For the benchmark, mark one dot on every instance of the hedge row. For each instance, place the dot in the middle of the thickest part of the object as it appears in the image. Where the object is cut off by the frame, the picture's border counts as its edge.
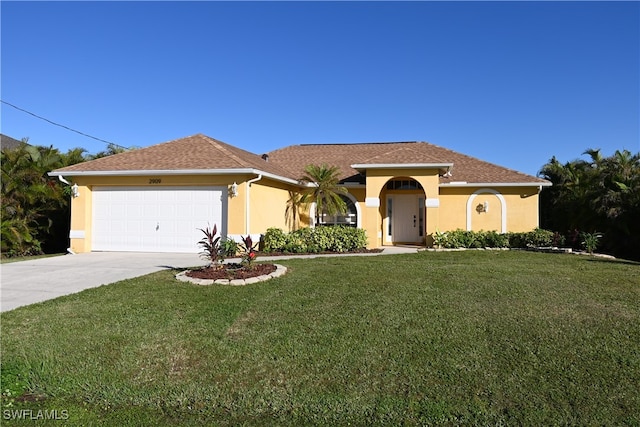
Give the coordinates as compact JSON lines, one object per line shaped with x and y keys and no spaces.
{"x":320,"y":239}
{"x":493,"y":239}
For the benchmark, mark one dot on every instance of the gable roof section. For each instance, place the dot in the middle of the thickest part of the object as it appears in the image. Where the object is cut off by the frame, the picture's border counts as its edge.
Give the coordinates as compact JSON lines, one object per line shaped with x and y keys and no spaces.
{"x":350,"y":158}
{"x":193,"y":154}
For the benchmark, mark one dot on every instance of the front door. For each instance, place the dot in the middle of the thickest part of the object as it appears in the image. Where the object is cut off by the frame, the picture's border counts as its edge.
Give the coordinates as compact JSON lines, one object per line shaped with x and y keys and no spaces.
{"x":406,"y":218}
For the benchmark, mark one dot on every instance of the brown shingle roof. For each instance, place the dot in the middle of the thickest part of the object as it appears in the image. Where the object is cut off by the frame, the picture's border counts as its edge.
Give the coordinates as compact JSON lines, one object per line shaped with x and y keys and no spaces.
{"x":200,"y":152}
{"x":197,"y":152}
{"x":465,"y":168}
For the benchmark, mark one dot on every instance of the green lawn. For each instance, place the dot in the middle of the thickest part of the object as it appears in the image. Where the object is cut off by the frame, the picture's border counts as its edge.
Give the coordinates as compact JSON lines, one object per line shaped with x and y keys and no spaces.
{"x":458,"y":338}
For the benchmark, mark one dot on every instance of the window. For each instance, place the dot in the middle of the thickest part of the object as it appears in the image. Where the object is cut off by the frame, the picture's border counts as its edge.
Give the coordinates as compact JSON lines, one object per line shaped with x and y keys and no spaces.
{"x":350,"y":218}
{"x":404,"y":184}
{"x":389,"y":216}
{"x":421,"y":212}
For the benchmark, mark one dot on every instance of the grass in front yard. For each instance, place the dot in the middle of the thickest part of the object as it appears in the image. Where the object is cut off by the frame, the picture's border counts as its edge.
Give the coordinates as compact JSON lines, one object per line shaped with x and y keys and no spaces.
{"x":459,"y":338}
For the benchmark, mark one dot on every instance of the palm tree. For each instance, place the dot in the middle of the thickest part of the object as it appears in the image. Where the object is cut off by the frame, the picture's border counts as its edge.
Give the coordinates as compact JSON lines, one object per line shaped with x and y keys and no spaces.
{"x":602,"y":194}
{"x":292,"y":211}
{"x":324,"y":190}
{"x":34,"y":207}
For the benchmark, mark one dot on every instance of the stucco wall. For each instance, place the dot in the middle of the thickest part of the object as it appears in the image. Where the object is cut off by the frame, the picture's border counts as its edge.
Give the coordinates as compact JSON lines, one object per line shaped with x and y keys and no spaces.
{"x":267,"y":205}
{"x":458,"y":208}
{"x":450,"y":208}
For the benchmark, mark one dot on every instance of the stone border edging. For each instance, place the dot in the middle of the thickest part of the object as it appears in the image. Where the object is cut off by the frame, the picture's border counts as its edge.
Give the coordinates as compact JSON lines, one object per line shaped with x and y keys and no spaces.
{"x":280,"y":270}
{"x":554,"y":250}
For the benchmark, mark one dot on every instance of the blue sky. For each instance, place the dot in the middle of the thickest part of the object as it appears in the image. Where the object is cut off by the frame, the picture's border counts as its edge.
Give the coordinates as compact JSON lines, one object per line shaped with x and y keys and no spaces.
{"x":513,"y":83}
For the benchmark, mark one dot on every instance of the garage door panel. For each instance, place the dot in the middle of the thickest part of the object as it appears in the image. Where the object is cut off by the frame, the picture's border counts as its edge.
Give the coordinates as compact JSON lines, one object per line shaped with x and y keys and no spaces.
{"x":158,"y":219}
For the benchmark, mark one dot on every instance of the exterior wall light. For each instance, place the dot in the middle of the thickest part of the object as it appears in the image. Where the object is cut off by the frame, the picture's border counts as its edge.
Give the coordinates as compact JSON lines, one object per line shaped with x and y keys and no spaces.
{"x":75,"y":192}
{"x":234,"y":189}
{"x":482,"y":207}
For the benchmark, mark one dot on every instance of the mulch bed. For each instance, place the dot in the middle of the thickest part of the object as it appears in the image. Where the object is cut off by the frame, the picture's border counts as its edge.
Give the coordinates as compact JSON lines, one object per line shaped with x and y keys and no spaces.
{"x":232,"y":271}
{"x":238,"y":271}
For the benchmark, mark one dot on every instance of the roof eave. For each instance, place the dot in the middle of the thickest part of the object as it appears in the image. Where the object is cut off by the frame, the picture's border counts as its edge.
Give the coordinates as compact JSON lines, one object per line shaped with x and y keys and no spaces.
{"x":360,"y":166}
{"x":495,"y":184}
{"x":177,"y":172}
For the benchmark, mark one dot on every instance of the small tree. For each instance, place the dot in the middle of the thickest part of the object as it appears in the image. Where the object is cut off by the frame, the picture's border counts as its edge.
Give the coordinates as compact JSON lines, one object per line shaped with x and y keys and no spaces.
{"x":210,"y":245}
{"x":248,"y":249}
{"x":324,"y":191}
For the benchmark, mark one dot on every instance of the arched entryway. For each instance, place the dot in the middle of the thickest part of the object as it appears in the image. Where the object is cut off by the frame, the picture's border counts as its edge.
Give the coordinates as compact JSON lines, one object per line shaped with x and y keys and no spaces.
{"x":405,"y":213}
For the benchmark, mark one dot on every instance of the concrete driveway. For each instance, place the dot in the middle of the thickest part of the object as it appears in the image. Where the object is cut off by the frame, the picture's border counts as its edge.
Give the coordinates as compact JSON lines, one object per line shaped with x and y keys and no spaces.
{"x":37,"y":280}
{"x":28,"y":282}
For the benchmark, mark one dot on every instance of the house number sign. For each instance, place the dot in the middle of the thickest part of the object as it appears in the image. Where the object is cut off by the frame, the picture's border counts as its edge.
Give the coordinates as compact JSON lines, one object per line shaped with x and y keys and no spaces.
{"x":155,"y":180}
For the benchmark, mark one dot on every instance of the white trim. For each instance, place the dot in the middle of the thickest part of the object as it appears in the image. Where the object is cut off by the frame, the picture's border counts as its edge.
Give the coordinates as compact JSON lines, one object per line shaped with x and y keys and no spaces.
{"x":432,"y":203}
{"x":372,"y":202}
{"x":400,"y":165}
{"x":177,"y":172}
{"x":358,"y":210}
{"x":503,"y":204}
{"x":495,"y":184}
{"x":76,"y":234}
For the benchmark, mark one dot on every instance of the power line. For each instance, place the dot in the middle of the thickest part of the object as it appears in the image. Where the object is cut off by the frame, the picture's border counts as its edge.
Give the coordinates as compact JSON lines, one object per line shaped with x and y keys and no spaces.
{"x":62,"y":126}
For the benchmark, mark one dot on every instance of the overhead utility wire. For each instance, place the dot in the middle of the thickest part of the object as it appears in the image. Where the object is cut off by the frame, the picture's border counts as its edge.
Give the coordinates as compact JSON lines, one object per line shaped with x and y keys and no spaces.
{"x":62,"y":126}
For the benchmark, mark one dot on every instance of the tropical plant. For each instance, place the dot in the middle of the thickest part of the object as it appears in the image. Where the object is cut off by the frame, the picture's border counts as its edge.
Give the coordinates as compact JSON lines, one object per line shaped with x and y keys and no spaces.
{"x":324,"y":190}
{"x":590,"y":241}
{"x":601,"y":193}
{"x":210,"y":245}
{"x":228,"y":247}
{"x":248,"y":249}
{"x":35,"y":207}
{"x":110,"y":151}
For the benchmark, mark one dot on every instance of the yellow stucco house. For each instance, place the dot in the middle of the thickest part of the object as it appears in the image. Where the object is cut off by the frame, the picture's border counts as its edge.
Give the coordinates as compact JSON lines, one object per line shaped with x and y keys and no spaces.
{"x":156,"y":199}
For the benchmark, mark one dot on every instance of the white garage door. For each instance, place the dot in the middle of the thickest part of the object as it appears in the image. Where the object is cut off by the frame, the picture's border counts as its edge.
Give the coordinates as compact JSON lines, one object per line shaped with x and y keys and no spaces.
{"x":157,"y":219}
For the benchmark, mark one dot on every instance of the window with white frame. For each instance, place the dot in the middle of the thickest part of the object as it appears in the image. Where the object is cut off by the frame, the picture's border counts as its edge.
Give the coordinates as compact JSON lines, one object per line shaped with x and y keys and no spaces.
{"x":349,"y":218}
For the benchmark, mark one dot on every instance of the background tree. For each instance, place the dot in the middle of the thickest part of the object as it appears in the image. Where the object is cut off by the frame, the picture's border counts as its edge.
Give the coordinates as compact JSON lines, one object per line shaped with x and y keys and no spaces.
{"x":601,"y":194}
{"x":35,"y":207}
{"x":110,"y":151}
{"x":325,"y":190}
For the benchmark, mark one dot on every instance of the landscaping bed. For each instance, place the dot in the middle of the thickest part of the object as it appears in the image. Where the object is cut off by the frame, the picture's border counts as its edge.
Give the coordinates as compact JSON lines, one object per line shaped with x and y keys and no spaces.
{"x":232,"y":271}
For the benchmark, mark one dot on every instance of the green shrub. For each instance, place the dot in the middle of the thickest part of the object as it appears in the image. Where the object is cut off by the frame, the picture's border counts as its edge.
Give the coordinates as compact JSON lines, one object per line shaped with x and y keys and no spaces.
{"x":590,"y":241}
{"x":517,"y":240}
{"x":274,"y":240}
{"x":492,"y":239}
{"x":539,"y":237}
{"x":320,"y":239}
{"x":229,"y":247}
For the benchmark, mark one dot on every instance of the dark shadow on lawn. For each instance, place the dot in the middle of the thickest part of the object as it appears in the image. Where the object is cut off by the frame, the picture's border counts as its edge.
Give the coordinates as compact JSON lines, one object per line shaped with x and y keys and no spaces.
{"x":613,"y":260}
